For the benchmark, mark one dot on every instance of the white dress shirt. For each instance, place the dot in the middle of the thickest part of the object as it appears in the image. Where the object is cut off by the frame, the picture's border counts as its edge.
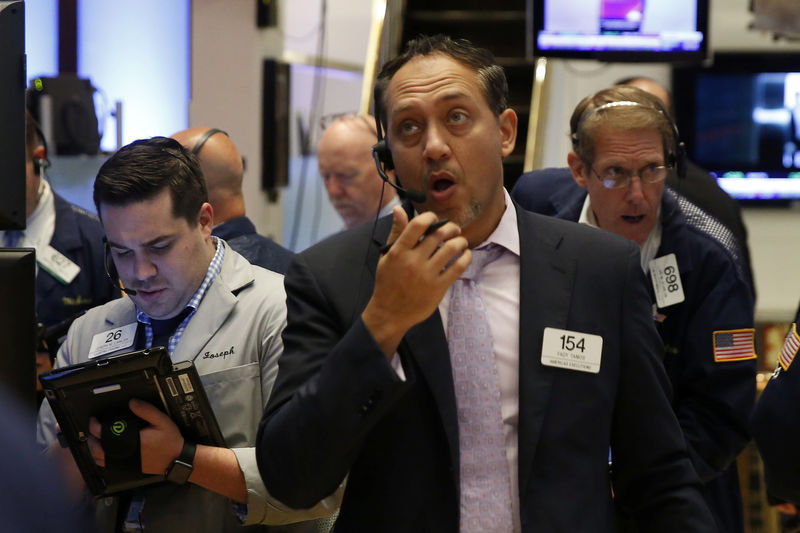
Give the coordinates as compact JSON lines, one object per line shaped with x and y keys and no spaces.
{"x":41,"y":224}
{"x":649,"y":248}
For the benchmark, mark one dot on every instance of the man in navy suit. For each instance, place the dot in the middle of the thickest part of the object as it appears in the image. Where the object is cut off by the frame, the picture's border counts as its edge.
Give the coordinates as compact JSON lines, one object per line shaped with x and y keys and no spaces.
{"x":366,"y":385}
{"x":624,"y":145}
{"x":68,"y":242}
{"x":223,"y":170}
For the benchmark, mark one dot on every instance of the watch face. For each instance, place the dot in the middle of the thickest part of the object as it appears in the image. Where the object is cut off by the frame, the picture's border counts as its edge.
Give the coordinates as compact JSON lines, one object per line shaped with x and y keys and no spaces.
{"x":179,"y":471}
{"x":181,"y":468}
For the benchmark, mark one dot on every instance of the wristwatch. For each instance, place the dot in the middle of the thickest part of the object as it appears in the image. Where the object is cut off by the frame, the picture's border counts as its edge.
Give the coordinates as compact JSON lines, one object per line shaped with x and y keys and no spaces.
{"x":181,"y":468}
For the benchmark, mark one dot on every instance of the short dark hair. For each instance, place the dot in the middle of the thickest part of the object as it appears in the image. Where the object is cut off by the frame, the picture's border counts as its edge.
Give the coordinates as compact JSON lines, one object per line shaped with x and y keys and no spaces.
{"x":142,"y":169}
{"x":644,"y":112}
{"x":490,"y":75}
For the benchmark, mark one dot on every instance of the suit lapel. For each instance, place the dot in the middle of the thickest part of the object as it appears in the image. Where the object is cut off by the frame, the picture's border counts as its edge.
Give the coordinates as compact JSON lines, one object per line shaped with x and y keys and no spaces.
{"x":546,"y":280}
{"x":427,"y":345}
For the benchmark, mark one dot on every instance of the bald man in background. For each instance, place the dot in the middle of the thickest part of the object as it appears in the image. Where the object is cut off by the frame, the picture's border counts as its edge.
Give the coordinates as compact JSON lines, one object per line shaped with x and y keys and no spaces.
{"x":344,"y":155}
{"x":223,"y":169}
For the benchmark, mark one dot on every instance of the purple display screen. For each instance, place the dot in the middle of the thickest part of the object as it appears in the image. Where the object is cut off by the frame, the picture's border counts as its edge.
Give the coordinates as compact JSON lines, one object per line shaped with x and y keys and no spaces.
{"x":639,"y":30}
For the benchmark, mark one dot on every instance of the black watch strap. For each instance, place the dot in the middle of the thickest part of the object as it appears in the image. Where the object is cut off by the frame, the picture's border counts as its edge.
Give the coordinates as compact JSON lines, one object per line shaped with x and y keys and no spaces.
{"x":181,"y":468}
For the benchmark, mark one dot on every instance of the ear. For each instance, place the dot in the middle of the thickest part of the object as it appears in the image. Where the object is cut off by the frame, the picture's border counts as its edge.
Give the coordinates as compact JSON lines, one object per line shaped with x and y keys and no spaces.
{"x":39,"y":153}
{"x":508,"y":131}
{"x":580,"y":172}
{"x":206,"y":219}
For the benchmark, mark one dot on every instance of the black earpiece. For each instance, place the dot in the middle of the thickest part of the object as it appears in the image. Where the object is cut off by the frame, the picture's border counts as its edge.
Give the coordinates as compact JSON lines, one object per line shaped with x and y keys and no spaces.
{"x":681,"y":159}
{"x":383,"y":156}
{"x":39,"y":165}
{"x":111,"y":269}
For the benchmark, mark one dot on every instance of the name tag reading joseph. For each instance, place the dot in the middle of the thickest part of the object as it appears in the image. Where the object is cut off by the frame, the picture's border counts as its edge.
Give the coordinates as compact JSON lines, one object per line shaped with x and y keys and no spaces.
{"x":572,"y":350}
{"x":666,"y":280}
{"x":112,"y":340}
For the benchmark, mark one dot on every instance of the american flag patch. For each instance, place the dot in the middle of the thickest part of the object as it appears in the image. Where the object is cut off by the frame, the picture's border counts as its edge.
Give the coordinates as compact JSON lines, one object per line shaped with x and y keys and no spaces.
{"x":734,"y":345}
{"x":789,"y":349}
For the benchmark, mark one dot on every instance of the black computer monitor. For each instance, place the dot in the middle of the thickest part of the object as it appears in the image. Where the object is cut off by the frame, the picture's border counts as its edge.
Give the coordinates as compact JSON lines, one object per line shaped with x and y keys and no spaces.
{"x":740,"y":119}
{"x":12,"y":114}
{"x":621,"y":30}
{"x":18,"y":323}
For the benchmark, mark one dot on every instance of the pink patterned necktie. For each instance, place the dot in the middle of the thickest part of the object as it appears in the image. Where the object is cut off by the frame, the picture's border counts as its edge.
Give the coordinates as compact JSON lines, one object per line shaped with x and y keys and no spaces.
{"x":485,"y":481}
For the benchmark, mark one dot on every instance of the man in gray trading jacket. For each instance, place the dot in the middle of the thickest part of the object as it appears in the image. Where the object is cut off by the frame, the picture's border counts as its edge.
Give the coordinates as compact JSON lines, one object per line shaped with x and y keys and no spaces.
{"x":190,"y":292}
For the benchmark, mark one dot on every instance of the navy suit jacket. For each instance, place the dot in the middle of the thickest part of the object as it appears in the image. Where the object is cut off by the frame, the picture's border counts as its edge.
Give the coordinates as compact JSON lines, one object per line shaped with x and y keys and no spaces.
{"x":240,"y":234}
{"x":712,"y":399}
{"x":338,"y":408}
{"x":79,"y":236}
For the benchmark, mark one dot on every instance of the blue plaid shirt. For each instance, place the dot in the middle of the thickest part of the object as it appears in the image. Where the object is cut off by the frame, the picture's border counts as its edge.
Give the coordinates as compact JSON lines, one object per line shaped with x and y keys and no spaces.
{"x":213,"y":270}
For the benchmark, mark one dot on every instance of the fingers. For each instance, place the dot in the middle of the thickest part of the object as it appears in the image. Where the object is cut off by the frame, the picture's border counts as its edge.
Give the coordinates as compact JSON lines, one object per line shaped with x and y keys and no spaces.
{"x":399,"y":223}
{"x":95,"y":429}
{"x":433,"y":243}
{"x":147,"y":412}
{"x":424,"y":233}
{"x":406,"y":234}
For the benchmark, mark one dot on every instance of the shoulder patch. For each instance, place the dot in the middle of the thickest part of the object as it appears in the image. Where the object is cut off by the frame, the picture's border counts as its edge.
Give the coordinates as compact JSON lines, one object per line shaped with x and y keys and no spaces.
{"x":734,"y":345}
{"x":790,"y":346}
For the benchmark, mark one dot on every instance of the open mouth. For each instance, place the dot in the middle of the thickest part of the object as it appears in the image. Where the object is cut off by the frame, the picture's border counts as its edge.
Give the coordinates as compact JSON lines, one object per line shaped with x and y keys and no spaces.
{"x":442,"y":184}
{"x":632,"y":219}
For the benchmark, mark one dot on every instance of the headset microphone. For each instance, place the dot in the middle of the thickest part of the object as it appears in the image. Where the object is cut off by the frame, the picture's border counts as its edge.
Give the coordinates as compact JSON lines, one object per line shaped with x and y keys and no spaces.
{"x":111,"y":271}
{"x":411,"y":194}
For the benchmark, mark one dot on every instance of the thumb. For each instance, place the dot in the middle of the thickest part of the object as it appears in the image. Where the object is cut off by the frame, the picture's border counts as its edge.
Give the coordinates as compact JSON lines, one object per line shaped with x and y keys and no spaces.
{"x":398,"y":224}
{"x":147,"y":411}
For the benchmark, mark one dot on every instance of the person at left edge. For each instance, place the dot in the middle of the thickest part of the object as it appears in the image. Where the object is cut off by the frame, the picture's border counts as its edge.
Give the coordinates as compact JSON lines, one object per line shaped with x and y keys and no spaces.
{"x":68,"y":240}
{"x":191,"y":292}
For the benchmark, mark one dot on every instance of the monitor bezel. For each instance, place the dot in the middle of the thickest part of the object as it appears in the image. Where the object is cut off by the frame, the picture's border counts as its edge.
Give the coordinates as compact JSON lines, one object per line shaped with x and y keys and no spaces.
{"x":684,"y":79}
{"x":628,"y":56}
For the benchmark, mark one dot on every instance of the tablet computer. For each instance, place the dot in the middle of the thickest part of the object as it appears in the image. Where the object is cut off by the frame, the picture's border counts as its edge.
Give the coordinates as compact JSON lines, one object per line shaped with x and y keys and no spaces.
{"x":102,"y":387}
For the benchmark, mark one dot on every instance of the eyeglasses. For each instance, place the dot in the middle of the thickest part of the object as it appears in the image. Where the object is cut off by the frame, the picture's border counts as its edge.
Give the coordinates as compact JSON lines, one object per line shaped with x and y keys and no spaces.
{"x":619,"y":178}
{"x":327,"y":120}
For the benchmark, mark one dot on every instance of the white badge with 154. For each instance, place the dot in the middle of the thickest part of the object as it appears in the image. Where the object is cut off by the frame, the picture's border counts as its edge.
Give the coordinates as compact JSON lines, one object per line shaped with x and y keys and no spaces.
{"x":572,"y":350}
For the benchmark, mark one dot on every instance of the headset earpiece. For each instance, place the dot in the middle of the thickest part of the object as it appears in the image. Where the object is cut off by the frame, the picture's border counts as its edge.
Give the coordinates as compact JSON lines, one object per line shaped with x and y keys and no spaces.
{"x":681,"y":163}
{"x":39,"y":165}
{"x":111,"y":270}
{"x":108,"y":262}
{"x":381,"y":148}
{"x":384,"y":154}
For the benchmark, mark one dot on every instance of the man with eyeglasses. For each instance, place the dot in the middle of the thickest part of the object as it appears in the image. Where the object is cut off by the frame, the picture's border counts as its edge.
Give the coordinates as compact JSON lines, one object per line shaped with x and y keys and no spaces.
{"x":624,"y":145}
{"x":344,"y":154}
